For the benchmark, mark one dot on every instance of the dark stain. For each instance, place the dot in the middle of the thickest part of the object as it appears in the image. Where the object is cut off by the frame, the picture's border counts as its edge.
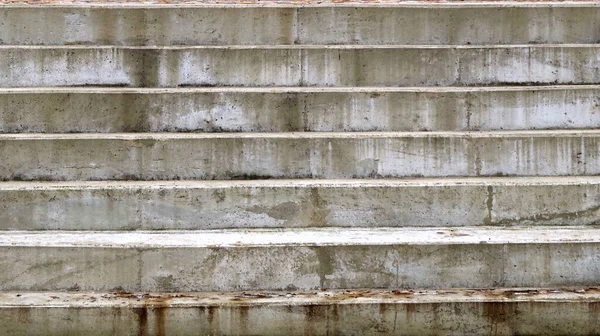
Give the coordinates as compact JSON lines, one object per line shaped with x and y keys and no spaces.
{"x":594,"y":309}
{"x":213,"y":320}
{"x":159,"y":317}
{"x":498,"y":313}
{"x":319,"y":211}
{"x":411,"y":308}
{"x":23,"y":315}
{"x":283,"y":211}
{"x":313,"y":315}
{"x":243,"y":312}
{"x":325,"y":264}
{"x":142,"y":314}
{"x":218,"y":196}
{"x":547,"y":217}
{"x":490,"y":205}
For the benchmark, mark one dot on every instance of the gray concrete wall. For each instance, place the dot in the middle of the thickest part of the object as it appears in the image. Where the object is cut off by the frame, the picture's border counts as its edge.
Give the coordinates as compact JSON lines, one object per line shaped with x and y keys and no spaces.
{"x":510,"y":312}
{"x":297,"y":155}
{"x":70,"y":110}
{"x":255,"y":204}
{"x":335,"y":25}
{"x":300,"y":260}
{"x":299,"y":66}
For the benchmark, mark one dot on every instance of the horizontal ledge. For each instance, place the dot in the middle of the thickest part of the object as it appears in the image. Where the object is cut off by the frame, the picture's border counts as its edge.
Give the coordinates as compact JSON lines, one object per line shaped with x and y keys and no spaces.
{"x":292,"y":89}
{"x":297,"y":47}
{"x":303,"y":183}
{"x":328,"y":297}
{"x":322,"y":4}
{"x":299,"y":135}
{"x":307,"y":237}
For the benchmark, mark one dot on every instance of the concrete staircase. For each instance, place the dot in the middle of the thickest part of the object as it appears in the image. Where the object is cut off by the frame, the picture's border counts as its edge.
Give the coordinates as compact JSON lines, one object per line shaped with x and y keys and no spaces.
{"x":357,"y":169}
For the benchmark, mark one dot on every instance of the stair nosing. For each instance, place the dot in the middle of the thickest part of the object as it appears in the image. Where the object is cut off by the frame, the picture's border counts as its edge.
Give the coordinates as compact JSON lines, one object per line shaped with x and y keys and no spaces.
{"x":292,"y":89}
{"x":303,"y":237}
{"x":323,"y":297}
{"x":300,"y":47}
{"x":410,"y":4}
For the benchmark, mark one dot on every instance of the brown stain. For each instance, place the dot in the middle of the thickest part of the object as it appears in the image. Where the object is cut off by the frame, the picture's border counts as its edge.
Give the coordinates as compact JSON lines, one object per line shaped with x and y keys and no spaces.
{"x":498,"y":313}
{"x":594,"y":309}
{"x":23,"y":315}
{"x":142,"y":314}
{"x":314,"y":315}
{"x":159,"y":320}
{"x":212,"y":315}
{"x":410,"y":311}
{"x":243,"y":321}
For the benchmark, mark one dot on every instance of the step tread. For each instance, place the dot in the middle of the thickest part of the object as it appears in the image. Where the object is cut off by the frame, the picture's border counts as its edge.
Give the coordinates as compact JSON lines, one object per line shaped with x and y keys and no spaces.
{"x":302,"y":135}
{"x":244,"y":238}
{"x":293,"y":89}
{"x":297,"y":4}
{"x":300,"y":183}
{"x":326,"y":297}
{"x":302,"y":47}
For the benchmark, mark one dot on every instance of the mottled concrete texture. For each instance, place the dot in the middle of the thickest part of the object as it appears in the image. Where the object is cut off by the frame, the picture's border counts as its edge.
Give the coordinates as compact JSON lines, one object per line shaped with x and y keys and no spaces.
{"x":458,"y":312}
{"x":299,"y":65}
{"x":335,"y":25}
{"x":256,"y":204}
{"x":68,"y":110}
{"x":297,"y":155}
{"x":487,"y":257}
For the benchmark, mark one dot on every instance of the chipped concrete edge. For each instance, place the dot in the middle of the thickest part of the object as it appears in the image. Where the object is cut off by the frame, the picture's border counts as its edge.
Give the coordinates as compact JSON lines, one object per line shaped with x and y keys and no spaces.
{"x":259,"y":298}
{"x":328,"y":4}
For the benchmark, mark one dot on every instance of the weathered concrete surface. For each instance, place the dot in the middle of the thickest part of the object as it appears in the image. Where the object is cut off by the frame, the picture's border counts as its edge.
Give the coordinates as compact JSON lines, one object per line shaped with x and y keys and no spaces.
{"x":297,"y":203}
{"x":460,"y":312}
{"x":328,"y":25}
{"x":174,"y":156}
{"x":285,"y":109}
{"x":299,"y":65}
{"x":230,"y":260}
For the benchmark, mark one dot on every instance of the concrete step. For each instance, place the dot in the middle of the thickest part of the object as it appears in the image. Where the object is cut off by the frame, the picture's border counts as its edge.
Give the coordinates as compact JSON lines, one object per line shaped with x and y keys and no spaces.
{"x":497,"y":201}
{"x":229,"y":24}
{"x":522,"y":311}
{"x":300,"y":259}
{"x":222,"y":156}
{"x":344,"y":65}
{"x":285,"y":109}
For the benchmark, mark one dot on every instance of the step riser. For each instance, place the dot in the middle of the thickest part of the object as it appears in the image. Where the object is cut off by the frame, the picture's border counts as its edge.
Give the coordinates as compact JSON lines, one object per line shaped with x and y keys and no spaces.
{"x":296,"y":157}
{"x":212,"y":26}
{"x":473,"y":318}
{"x":298,"y":67}
{"x":279,"y":206}
{"x":298,"y":267}
{"x":67,"y":112}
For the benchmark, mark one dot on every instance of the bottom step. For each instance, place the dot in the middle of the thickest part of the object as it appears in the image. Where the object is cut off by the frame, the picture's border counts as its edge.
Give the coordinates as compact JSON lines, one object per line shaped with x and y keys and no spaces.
{"x":472,"y":312}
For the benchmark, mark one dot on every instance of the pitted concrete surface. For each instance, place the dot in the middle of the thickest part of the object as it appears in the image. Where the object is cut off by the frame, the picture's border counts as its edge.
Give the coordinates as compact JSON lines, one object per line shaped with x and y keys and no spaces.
{"x":231,"y":156}
{"x":293,"y":65}
{"x":246,"y":24}
{"x":311,"y":3}
{"x":296,"y":109}
{"x":303,"y":259}
{"x":399,"y":312}
{"x":299,"y":203}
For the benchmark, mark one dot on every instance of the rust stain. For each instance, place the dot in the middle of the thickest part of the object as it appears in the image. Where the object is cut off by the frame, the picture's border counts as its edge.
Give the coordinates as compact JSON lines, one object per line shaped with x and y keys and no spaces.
{"x":594,"y":309}
{"x":410,"y":311}
{"x":142,"y":314}
{"x":243,"y":311}
{"x":159,"y":316}
{"x":498,"y":313}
